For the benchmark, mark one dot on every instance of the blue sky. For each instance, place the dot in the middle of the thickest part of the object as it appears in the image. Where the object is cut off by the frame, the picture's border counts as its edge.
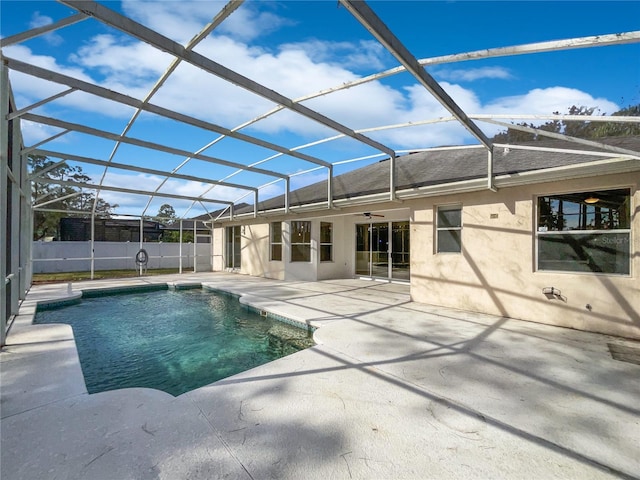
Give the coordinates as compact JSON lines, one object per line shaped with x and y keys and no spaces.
{"x":301,"y":47}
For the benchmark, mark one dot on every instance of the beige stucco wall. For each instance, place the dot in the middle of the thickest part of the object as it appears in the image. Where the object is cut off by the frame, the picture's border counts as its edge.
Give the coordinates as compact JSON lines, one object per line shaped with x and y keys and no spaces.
{"x":255,"y":245}
{"x":496,"y":271}
{"x":255,"y":253}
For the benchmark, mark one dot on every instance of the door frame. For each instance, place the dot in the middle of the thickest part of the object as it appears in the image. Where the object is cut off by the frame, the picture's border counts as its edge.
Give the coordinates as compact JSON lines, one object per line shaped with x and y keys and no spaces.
{"x":370,"y":224}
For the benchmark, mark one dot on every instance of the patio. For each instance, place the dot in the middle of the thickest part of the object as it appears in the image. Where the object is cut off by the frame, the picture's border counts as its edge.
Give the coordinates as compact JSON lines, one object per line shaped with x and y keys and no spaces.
{"x":394,"y":389}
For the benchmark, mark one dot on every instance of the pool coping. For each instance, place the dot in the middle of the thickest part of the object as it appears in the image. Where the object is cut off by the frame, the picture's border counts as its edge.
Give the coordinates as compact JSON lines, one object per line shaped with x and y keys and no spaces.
{"x":254,"y":303}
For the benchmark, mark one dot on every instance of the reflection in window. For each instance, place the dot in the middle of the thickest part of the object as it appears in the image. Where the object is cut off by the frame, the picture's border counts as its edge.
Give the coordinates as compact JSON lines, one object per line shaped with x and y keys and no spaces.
{"x":275,"y":240}
{"x":449,"y":229}
{"x":585,"y":232}
{"x":300,"y":241}
{"x":326,"y":242}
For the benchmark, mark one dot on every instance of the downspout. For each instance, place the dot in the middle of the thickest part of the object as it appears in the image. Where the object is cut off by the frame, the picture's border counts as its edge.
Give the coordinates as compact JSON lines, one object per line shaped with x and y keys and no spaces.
{"x":92,"y":243}
{"x":141,"y":239}
{"x":330,"y":187}
{"x":287,"y":194}
{"x":195,"y":247}
{"x":180,"y":249}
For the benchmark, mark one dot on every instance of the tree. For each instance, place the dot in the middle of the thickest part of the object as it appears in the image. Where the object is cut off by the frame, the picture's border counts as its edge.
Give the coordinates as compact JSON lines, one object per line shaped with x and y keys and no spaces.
{"x":62,"y":197}
{"x":573,"y":128}
{"x":167,"y":214}
{"x":615,"y":129}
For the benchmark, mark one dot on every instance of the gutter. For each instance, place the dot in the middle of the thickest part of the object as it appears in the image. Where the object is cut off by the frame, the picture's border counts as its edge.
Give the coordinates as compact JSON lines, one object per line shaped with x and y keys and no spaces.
{"x":610,"y":166}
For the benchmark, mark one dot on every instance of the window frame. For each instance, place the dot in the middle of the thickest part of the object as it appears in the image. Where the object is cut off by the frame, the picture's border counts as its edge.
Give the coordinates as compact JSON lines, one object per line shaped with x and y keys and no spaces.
{"x":328,"y":244}
{"x":231,"y":256}
{"x":295,"y":245}
{"x":541,"y":232}
{"x":449,"y":207}
{"x":273,"y":243}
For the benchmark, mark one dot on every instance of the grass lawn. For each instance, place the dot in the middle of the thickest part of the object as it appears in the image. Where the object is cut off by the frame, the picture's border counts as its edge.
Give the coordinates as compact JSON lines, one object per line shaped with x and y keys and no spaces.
{"x":97,"y":275}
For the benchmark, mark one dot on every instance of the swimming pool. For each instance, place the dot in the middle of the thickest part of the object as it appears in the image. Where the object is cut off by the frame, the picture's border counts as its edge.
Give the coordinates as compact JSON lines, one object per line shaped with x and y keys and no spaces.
{"x":170,"y":340}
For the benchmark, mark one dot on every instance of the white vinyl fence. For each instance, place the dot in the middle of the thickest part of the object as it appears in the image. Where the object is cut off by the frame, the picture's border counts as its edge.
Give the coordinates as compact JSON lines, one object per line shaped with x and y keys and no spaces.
{"x":51,"y":257}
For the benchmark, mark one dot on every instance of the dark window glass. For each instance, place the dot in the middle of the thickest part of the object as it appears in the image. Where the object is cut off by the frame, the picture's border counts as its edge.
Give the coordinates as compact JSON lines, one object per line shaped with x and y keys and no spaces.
{"x":326,"y":242}
{"x":300,"y":253}
{"x":276,"y":241}
{"x":585,"y":232}
{"x":300,"y":241}
{"x":449,"y":241}
{"x":449,"y":229}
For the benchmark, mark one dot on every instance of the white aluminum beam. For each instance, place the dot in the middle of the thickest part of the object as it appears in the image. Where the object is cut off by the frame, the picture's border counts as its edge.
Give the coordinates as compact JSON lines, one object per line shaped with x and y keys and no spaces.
{"x":39,"y":173}
{"x":361,"y":11}
{"x":568,"y":118}
{"x":5,"y":213}
{"x":35,"y":32}
{"x":57,"y":199}
{"x":151,"y":171}
{"x":131,"y":191}
{"x":40,"y":103}
{"x":153,"y":38}
{"x":227,"y":10}
{"x":145,"y":144}
{"x":75,"y":83}
{"x":28,"y":150}
{"x":559,"y":136}
{"x":583,"y":42}
{"x":490,"y":174}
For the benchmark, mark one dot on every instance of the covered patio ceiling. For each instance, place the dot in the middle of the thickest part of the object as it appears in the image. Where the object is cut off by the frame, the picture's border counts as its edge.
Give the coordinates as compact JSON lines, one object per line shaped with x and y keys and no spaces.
{"x":252,"y":177}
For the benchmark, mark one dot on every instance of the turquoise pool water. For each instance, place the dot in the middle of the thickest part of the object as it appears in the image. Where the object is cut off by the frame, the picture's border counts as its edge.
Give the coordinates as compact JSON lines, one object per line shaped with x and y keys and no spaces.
{"x":171,"y":340}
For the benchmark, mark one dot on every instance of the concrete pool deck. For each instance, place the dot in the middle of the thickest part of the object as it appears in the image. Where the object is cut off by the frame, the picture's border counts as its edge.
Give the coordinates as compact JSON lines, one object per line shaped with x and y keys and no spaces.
{"x":393,"y":390}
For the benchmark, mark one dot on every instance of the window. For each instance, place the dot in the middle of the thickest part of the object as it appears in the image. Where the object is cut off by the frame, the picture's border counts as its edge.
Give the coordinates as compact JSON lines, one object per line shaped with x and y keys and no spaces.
{"x":449,"y":229}
{"x":275,"y":238}
{"x":233,"y":247}
{"x":326,"y":242}
{"x":585,"y":232}
{"x":300,"y":241}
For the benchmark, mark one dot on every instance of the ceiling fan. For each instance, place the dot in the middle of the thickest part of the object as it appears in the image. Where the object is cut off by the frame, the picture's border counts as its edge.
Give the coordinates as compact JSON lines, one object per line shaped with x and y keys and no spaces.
{"x":369,"y":215}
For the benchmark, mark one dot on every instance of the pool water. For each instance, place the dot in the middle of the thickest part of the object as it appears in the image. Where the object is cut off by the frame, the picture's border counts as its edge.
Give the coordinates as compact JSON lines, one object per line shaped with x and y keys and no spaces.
{"x":171,"y":340}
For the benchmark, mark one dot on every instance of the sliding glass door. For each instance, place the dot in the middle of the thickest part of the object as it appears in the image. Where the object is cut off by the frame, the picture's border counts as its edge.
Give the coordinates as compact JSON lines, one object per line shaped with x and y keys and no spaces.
{"x":382,"y":250}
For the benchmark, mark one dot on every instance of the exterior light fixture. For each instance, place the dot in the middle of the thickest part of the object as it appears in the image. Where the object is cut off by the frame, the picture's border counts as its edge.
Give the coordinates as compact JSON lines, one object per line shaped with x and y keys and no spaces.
{"x":591,"y":199}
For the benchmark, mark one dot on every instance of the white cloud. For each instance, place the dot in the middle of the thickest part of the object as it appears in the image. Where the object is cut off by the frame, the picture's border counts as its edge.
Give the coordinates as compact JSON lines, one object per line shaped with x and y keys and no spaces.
{"x":148,"y":183}
{"x":549,"y":100}
{"x":36,"y":132}
{"x":179,"y":21}
{"x":38,"y":20}
{"x":473,"y":74}
{"x":247,"y":23}
{"x":29,"y":89}
{"x":293,"y":69}
{"x":366,"y":54}
{"x":123,"y":62}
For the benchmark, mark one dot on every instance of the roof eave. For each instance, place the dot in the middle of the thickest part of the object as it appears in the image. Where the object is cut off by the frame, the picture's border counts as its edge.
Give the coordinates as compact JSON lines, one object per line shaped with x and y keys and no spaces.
{"x":609,"y":166}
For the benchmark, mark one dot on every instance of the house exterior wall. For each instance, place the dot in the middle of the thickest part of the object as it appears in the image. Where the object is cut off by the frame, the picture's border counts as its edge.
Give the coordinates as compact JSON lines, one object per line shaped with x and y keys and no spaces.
{"x":496,"y":271}
{"x":341,"y":266}
{"x":255,"y":245}
{"x":255,"y":253}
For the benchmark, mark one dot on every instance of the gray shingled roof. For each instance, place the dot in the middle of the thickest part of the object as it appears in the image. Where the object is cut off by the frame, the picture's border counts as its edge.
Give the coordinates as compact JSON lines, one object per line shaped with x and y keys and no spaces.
{"x":444,"y":166}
